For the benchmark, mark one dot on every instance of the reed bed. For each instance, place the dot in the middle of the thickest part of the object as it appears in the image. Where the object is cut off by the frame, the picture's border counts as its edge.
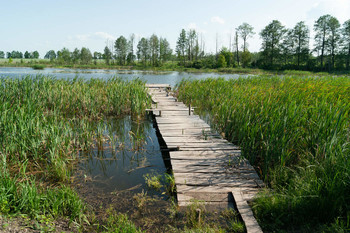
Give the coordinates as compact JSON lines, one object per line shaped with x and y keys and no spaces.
{"x":44,"y":122}
{"x":295,"y":131}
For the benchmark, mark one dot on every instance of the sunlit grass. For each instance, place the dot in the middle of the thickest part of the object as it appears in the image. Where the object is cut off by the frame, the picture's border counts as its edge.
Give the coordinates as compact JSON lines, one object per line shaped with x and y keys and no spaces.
{"x":44,"y":123}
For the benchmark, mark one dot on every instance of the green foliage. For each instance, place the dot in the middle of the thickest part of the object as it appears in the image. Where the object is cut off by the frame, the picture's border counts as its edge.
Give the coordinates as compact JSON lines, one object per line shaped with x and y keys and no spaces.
{"x":38,"y":67}
{"x":26,"y":198}
{"x":46,"y":120}
{"x":295,"y":131}
{"x":153,"y":181}
{"x":221,"y":61}
{"x":118,"y":223}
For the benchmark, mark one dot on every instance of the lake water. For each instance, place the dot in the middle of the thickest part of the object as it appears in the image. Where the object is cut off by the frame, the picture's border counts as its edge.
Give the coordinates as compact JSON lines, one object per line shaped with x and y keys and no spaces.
{"x":171,"y":77}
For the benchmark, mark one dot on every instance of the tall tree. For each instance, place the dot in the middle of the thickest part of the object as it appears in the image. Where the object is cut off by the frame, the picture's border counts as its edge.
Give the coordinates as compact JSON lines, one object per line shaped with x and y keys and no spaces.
{"x":64,"y":55}
{"x":36,"y":54}
{"x":107,"y":55}
{"x":334,"y":37}
{"x":346,"y":41}
{"x":85,"y":56}
{"x":237,"y":50}
{"x":2,"y":54}
{"x":191,"y":40}
{"x":245,"y":31}
{"x":287,"y":47}
{"x":321,"y":33}
{"x":131,"y":55}
{"x":76,"y":55}
{"x":143,"y":50}
{"x":154,"y":49}
{"x":164,"y":50}
{"x":121,"y":47}
{"x":272,"y":35}
{"x":300,"y":35}
{"x":50,"y":55}
{"x":27,"y":55}
{"x":181,"y":46}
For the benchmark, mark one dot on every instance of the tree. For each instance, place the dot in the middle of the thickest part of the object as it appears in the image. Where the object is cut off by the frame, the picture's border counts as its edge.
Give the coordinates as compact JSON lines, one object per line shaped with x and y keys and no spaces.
{"x":154,"y":49}
{"x":35,"y":55}
{"x":107,"y":55}
{"x":2,"y":54}
{"x":191,"y":39}
{"x":27,"y":55}
{"x":164,"y":50}
{"x":131,"y":56}
{"x":346,"y":41}
{"x":85,"y":56}
{"x":121,"y":47}
{"x":245,"y":31}
{"x":287,"y":47}
{"x":334,"y":37}
{"x":221,"y":61}
{"x":50,"y":55}
{"x":271,"y":36}
{"x":321,"y":32}
{"x":228,"y":56}
{"x":143,"y":50}
{"x":300,"y":35}
{"x":181,"y":46}
{"x":237,"y":50}
{"x":246,"y":58}
{"x":97,"y":55}
{"x":75,"y":56}
{"x":64,"y":55}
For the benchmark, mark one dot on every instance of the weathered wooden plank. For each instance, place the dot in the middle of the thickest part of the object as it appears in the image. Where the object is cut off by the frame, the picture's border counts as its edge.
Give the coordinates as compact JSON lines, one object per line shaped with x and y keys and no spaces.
{"x":205,"y":196}
{"x":215,"y":178}
{"x":205,"y":153}
{"x":192,"y":139}
{"x":157,"y":85}
{"x":247,"y":215}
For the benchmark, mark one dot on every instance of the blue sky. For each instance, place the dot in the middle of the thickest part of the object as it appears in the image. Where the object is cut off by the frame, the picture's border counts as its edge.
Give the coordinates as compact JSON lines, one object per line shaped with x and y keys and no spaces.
{"x":54,"y":24}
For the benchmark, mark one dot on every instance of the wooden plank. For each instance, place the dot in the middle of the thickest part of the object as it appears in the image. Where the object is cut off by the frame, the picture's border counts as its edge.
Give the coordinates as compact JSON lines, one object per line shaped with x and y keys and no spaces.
{"x":205,"y":196}
{"x":205,"y":153}
{"x":215,"y":178}
{"x":192,"y":140}
{"x":210,"y":169}
{"x":247,"y":215}
{"x":156,"y":85}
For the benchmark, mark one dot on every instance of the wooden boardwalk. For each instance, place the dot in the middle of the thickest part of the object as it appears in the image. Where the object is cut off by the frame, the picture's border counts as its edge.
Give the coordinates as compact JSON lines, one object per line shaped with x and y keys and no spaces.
{"x":205,"y":166}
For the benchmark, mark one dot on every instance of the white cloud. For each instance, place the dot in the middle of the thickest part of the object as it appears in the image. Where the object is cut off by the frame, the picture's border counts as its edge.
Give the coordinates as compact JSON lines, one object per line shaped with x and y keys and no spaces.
{"x":217,"y":19}
{"x":195,"y":27}
{"x":104,"y":35}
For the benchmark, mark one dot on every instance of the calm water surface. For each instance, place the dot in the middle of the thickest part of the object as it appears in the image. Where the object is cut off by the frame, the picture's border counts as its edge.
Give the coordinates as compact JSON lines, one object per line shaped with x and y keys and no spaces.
{"x":171,"y":77}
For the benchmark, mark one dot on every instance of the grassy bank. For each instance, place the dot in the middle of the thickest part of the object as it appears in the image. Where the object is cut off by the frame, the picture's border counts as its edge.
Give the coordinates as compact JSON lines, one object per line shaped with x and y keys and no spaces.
{"x":44,"y":122}
{"x":295,"y":130}
{"x":168,"y":66}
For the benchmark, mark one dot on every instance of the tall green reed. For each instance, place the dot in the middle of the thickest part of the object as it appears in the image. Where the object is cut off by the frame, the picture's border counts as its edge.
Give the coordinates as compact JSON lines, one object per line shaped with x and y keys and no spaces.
{"x":295,"y":130}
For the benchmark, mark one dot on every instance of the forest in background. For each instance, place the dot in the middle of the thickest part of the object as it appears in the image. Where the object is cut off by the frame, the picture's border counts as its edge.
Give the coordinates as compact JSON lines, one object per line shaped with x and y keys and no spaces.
{"x":281,"y":49}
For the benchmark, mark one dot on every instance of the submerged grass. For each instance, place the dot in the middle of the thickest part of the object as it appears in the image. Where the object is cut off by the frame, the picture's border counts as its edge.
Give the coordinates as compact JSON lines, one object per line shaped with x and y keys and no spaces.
{"x":296,"y":132}
{"x":44,"y":122}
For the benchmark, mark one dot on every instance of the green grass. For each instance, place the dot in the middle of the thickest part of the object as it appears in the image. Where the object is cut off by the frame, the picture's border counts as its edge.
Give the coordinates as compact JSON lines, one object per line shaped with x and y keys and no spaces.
{"x":44,"y":123}
{"x":295,"y":131}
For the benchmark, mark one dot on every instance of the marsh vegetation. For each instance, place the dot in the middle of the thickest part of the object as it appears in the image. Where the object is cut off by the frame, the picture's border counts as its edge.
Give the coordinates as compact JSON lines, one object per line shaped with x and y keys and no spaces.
{"x":295,"y":131}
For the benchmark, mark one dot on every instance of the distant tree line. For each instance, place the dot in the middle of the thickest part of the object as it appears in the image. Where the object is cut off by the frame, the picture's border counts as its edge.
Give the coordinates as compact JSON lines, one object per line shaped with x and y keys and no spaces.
{"x":20,"y":55}
{"x":281,"y":48}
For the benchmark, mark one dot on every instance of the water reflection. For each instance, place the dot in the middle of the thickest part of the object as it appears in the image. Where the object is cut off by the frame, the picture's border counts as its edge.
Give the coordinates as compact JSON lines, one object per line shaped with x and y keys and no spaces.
{"x":125,"y":150}
{"x":167,"y":77}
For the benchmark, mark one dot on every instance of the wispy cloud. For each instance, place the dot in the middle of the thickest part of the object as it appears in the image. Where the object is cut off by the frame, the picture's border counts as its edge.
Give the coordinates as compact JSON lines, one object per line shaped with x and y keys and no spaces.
{"x":217,"y":19}
{"x":195,"y":27}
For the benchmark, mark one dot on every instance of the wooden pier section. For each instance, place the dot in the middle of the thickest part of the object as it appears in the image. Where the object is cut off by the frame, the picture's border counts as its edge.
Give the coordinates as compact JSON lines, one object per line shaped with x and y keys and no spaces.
{"x":205,"y":166}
